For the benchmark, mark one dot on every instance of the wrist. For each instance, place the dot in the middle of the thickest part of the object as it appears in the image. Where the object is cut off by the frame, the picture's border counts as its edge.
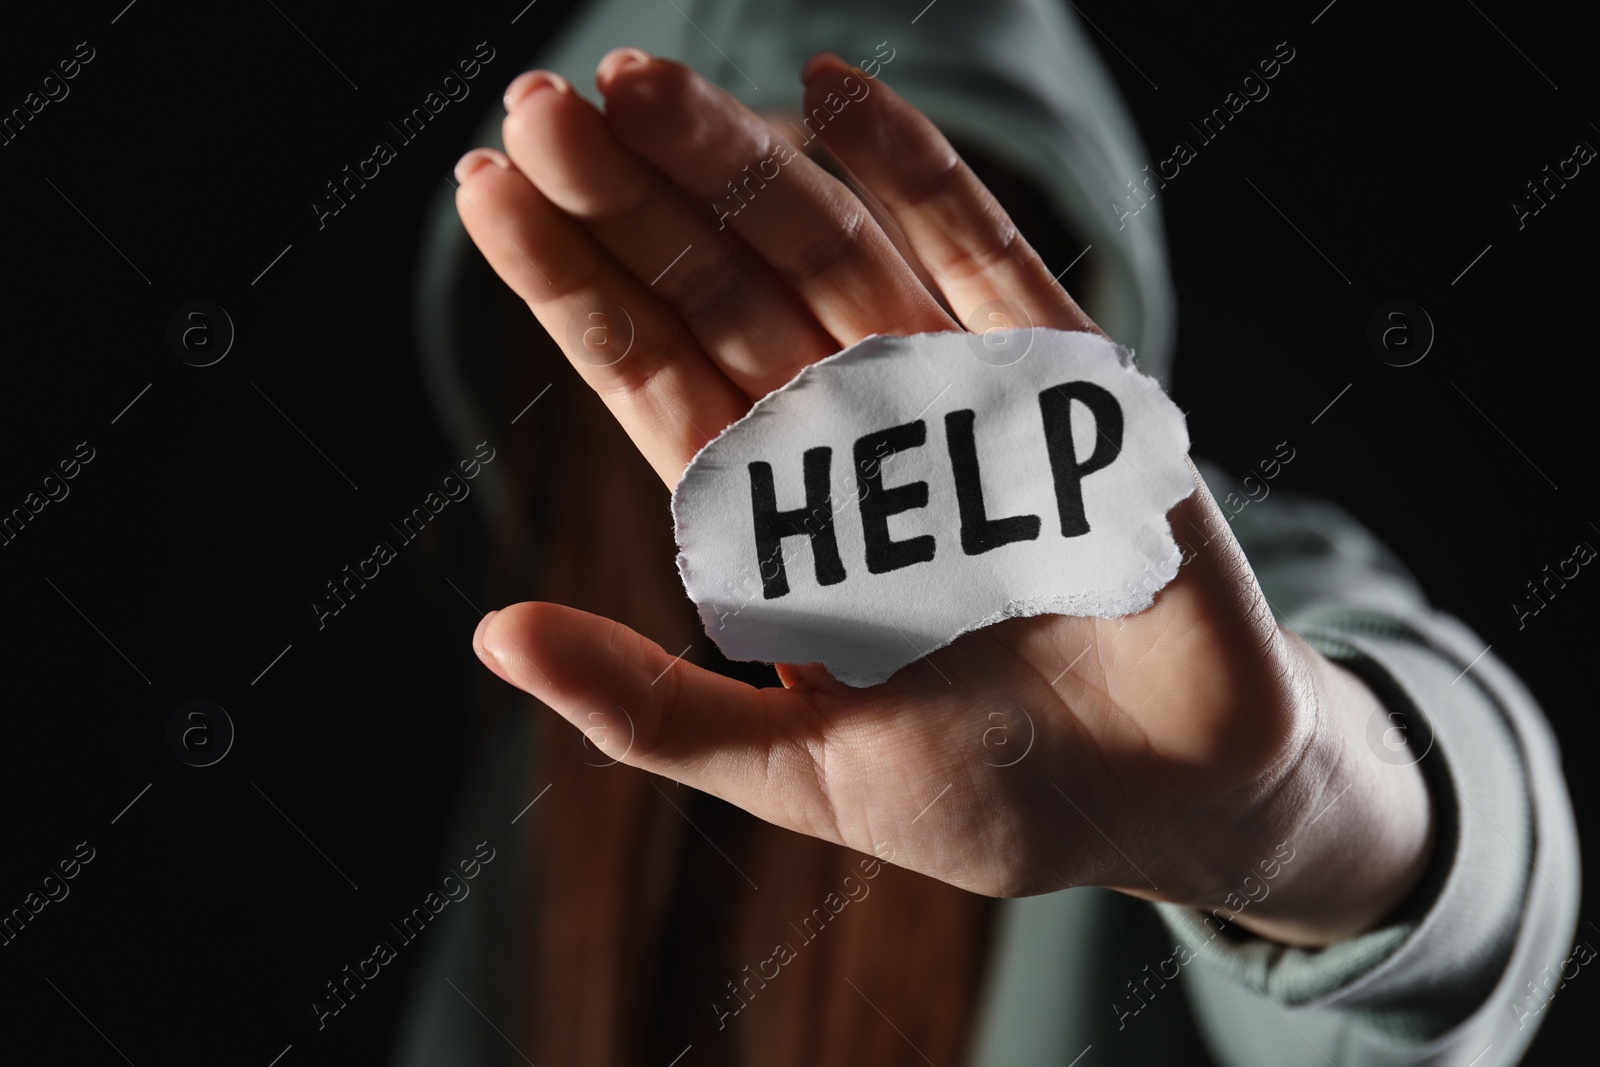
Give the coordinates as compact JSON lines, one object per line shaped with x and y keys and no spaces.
{"x":1358,"y":829}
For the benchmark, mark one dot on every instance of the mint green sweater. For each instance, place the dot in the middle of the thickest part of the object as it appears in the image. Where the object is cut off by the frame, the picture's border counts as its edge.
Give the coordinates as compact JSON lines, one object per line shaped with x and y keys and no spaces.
{"x":1089,"y":976}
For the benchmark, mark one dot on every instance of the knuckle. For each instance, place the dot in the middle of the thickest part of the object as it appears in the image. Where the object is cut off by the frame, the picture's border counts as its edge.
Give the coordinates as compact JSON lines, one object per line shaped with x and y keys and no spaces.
{"x":707,"y":284}
{"x":834,"y":246}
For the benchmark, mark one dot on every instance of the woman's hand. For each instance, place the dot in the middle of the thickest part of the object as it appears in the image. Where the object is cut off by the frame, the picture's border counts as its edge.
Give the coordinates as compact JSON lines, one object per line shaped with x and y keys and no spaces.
{"x":1166,"y":754}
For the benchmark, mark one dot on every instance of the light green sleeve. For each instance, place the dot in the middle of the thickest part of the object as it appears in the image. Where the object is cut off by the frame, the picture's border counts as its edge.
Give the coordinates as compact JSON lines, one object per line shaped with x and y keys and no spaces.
{"x":1447,"y":981}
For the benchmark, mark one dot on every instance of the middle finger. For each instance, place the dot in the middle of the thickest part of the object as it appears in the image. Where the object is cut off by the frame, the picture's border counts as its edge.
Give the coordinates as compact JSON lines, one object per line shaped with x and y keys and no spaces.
{"x":809,"y":226}
{"x":745,"y":317}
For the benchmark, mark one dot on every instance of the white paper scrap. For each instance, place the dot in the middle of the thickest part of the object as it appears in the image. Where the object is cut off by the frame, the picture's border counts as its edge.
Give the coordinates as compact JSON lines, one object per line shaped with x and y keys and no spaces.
{"x":907,"y":490}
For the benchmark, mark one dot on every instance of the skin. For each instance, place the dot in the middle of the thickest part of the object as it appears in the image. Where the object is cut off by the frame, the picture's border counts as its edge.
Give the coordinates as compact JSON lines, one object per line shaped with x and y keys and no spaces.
{"x":1172,"y":752}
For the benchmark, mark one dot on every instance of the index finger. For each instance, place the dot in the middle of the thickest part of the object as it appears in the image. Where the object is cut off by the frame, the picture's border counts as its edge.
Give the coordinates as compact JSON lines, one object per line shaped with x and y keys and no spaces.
{"x":956,"y":226}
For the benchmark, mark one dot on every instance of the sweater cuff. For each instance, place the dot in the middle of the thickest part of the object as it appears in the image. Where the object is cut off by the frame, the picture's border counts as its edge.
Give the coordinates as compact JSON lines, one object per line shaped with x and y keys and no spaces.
{"x":1432,"y":964}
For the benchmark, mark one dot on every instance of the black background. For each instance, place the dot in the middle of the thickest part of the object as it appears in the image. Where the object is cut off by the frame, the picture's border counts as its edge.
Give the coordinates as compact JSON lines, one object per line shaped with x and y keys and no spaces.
{"x":1395,"y":141}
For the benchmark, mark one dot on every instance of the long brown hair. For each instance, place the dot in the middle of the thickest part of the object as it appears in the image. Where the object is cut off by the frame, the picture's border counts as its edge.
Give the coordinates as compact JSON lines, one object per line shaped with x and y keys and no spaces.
{"x":656,"y":910}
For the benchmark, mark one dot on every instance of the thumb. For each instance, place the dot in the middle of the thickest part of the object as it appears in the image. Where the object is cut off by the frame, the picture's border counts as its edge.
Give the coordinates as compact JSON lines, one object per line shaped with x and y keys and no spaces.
{"x":635,"y":702}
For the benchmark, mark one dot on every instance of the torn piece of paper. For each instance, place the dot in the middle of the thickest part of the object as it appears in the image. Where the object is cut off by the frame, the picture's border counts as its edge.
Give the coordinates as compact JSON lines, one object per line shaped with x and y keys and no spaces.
{"x":909,"y":489}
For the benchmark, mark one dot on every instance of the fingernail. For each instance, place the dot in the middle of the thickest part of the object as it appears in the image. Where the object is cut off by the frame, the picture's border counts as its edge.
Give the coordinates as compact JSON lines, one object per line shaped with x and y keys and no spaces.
{"x":483,"y":649}
{"x":476,"y":160}
{"x":529,"y":82}
{"x":616,"y":61}
{"x":817,"y":62}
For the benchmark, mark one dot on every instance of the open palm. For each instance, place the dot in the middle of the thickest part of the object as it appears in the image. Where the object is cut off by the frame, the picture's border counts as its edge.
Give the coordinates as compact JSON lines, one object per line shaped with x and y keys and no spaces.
{"x":1029,"y":756}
